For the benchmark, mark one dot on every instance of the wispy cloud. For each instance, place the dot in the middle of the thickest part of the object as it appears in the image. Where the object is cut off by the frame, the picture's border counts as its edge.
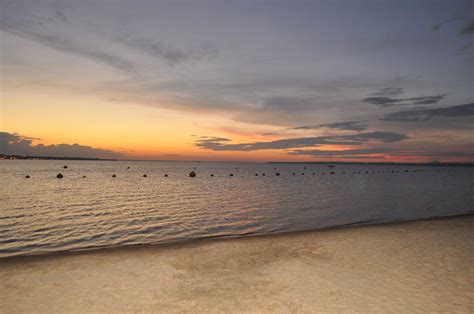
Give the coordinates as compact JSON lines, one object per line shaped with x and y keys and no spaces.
{"x":467,"y":27}
{"x":346,"y":126}
{"x":458,"y":111}
{"x":289,"y":103}
{"x":53,"y":30}
{"x":47,"y":31}
{"x":390,"y":102}
{"x":168,"y":53}
{"x":388,"y":91}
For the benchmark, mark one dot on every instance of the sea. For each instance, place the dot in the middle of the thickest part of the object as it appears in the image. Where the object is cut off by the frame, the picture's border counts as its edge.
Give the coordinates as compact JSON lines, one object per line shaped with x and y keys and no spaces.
{"x":105,"y":204}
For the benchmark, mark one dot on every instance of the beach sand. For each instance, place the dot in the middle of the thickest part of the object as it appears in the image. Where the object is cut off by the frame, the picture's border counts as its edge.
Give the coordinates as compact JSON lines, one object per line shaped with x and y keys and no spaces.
{"x":421,"y":266}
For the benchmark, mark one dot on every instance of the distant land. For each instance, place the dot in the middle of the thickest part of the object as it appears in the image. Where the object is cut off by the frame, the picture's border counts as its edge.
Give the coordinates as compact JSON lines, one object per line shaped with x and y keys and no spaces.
{"x":2,"y":156}
{"x":434,"y":163}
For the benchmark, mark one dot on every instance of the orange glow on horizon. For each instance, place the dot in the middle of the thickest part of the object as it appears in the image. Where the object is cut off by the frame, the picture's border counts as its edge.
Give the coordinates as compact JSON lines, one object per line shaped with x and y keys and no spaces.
{"x":141,"y":132}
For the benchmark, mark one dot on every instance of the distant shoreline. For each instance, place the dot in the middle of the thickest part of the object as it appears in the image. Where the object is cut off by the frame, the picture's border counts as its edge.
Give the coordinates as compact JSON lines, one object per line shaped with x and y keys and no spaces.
{"x":434,"y":164}
{"x":19,"y":157}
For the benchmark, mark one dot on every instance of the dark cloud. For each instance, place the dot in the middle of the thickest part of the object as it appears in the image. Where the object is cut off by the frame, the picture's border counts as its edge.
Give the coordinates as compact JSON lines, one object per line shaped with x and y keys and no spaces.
{"x":346,"y":126}
{"x":426,"y":114}
{"x":15,"y":144}
{"x":388,"y":91}
{"x":220,"y":144}
{"x":467,"y":29}
{"x":213,"y":143}
{"x":390,"y":102}
{"x":345,"y":153}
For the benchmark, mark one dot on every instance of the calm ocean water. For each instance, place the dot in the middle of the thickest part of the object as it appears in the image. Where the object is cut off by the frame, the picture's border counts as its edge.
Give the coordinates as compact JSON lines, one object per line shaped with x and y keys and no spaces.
{"x":44,"y":214}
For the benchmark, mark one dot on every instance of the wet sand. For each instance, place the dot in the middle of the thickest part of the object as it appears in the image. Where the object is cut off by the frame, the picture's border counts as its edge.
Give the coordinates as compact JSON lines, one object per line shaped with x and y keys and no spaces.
{"x":421,"y":266}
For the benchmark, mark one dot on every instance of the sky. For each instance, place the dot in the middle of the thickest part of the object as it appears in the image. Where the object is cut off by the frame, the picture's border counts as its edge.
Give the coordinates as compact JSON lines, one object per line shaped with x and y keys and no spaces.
{"x":346,"y":80}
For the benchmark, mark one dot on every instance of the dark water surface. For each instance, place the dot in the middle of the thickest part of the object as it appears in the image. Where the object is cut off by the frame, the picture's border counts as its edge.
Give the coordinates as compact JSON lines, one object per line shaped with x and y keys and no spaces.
{"x":44,"y":214}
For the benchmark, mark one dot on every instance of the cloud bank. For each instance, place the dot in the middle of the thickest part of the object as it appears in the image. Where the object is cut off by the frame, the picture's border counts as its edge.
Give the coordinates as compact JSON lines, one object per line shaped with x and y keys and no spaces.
{"x":15,"y":144}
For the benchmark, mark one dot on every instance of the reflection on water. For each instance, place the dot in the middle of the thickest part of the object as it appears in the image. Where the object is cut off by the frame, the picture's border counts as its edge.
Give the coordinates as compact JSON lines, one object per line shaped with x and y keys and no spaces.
{"x":43,"y":214}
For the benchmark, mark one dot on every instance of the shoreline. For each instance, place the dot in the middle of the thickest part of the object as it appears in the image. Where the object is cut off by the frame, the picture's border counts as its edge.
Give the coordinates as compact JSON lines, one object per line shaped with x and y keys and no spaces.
{"x":184,"y":242}
{"x":415,"y":266}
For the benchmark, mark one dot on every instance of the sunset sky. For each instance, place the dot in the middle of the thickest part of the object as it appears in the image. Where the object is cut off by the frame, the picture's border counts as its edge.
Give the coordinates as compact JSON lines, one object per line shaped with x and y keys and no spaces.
{"x":238,"y":80}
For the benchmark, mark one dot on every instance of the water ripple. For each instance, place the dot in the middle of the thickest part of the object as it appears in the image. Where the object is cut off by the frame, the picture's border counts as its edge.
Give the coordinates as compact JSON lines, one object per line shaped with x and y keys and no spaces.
{"x":44,"y":214}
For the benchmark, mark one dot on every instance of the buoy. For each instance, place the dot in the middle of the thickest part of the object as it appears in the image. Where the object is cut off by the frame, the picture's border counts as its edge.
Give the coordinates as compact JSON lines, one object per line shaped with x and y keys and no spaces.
{"x":114,"y":176}
{"x":65,"y":167}
{"x":27,"y":177}
{"x":59,"y":176}
{"x":277,"y":174}
{"x":144,"y":175}
{"x":192,"y":174}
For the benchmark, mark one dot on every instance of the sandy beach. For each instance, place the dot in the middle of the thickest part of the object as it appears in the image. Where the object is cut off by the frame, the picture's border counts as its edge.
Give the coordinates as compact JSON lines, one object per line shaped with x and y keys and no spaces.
{"x":420,"y":266}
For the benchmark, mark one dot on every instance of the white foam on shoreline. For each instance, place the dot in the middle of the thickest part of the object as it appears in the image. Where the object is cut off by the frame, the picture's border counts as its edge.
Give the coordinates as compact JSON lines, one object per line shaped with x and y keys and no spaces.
{"x":423,"y":266}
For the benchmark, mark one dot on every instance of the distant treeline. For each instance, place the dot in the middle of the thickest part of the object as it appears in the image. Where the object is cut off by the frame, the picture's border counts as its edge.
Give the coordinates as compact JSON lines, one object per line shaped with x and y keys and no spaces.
{"x":2,"y":156}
